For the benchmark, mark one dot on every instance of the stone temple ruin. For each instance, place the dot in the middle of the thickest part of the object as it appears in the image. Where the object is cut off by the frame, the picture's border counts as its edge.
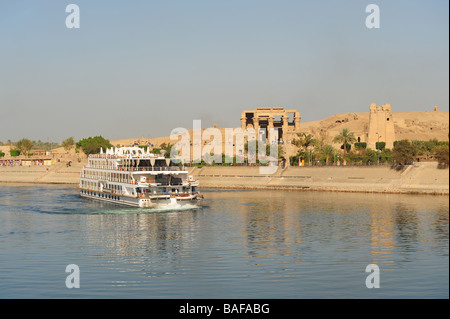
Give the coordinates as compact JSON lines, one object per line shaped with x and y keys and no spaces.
{"x":379,"y":128}
{"x":263,"y":119}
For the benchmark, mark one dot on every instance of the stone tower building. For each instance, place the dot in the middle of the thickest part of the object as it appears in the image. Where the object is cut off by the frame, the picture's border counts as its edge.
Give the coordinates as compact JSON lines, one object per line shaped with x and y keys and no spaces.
{"x":381,"y":126}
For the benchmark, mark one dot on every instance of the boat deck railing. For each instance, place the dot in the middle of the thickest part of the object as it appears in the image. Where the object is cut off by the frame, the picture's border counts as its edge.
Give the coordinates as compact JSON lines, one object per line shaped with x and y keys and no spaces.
{"x":151,"y":168}
{"x":140,"y":169}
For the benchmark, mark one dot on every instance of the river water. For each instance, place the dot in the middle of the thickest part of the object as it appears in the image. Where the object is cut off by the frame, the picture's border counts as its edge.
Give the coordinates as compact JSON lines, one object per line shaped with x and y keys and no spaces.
{"x":240,"y":244}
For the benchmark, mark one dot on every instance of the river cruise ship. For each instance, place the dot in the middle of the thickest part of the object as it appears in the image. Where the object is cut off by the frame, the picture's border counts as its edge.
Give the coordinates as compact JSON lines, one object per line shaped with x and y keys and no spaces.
{"x":135,"y":177}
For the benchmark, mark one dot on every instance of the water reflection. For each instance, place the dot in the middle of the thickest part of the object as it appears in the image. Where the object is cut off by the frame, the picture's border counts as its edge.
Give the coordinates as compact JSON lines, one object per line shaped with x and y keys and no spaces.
{"x":241,"y":244}
{"x":287,"y":227}
{"x":388,"y":226}
{"x":439,"y":224}
{"x":161,"y":235}
{"x":406,"y":230}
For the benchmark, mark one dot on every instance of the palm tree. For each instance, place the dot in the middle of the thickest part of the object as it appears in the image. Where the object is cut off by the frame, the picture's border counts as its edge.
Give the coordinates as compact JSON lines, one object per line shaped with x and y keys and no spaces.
{"x":320,"y":142}
{"x":328,"y":152}
{"x":345,"y":137}
{"x":304,"y":141}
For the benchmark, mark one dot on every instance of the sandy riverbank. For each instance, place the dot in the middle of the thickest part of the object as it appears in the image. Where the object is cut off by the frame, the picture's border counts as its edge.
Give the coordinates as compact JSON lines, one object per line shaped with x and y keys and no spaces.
{"x":56,"y":174}
{"x":420,"y":178}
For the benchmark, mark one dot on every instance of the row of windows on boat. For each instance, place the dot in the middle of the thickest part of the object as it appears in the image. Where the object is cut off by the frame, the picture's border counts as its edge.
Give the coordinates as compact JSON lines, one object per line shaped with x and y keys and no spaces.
{"x":90,"y":185}
{"x":101,"y":195}
{"x":126,"y":178}
{"x":163,"y":191}
{"x":115,"y":177}
{"x":103,"y":164}
{"x":95,"y":186}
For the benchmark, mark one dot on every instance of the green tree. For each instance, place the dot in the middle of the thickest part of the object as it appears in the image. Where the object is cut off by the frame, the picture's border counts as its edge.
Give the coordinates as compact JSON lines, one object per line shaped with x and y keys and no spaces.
{"x":40,"y":145}
{"x":370,"y":156}
{"x":348,"y":147}
{"x":164,"y":149}
{"x":68,"y":143}
{"x":404,"y":152}
{"x":345,"y":137}
{"x":385,"y":156}
{"x":24,"y":145}
{"x":442,"y":155}
{"x":304,"y":140}
{"x":168,"y":149}
{"x":92,"y":145}
{"x":293,"y":160}
{"x":380,"y":145}
{"x":301,"y":155}
{"x":319,"y":143}
{"x":360,"y":146}
{"x":14,"y":152}
{"x":327,"y":152}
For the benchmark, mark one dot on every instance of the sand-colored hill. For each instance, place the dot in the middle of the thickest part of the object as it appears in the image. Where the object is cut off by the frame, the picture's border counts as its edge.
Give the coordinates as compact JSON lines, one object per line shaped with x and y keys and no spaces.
{"x":156,"y":142}
{"x":423,"y":125}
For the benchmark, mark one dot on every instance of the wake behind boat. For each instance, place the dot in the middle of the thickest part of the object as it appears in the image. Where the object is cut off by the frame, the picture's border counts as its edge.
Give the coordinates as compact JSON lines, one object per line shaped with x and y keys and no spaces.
{"x":134,"y":177}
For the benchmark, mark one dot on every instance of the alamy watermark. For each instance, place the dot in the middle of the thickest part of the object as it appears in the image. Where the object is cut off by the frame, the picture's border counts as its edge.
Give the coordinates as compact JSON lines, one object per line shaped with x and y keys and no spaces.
{"x":73,"y":19}
{"x":73,"y":279}
{"x":373,"y":19}
{"x":373,"y":279}
{"x":240,"y":146}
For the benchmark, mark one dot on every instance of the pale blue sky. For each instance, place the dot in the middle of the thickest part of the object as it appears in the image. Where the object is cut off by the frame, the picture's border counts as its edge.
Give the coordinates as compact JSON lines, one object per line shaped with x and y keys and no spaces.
{"x":145,"y":67}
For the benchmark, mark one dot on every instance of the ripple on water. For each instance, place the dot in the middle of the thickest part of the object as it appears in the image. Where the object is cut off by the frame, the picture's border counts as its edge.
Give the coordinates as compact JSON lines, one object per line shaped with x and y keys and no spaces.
{"x":241,"y":244}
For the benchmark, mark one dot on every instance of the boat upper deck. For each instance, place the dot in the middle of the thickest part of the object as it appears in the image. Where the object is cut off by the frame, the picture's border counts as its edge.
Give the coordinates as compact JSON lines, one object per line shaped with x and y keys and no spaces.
{"x":132,"y":159}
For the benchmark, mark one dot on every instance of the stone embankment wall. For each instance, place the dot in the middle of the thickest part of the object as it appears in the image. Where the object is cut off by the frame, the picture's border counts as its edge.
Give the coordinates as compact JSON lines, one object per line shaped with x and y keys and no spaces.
{"x":420,"y":178}
{"x":424,"y":178}
{"x":57,"y":174}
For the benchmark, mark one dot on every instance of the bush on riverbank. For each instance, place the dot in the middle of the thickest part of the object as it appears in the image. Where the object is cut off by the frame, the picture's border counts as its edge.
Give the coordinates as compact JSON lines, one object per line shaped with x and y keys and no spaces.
{"x":14,"y":152}
{"x":442,"y":155}
{"x":92,"y":145}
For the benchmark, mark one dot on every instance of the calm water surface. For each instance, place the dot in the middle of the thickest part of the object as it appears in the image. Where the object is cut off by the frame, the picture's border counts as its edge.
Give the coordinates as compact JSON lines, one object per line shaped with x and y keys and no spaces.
{"x":241,"y":244}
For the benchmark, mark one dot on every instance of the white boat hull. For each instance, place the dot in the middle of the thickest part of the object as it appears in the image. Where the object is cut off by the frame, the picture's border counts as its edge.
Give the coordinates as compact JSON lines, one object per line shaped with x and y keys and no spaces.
{"x":161,"y":202}
{"x":134,"y":177}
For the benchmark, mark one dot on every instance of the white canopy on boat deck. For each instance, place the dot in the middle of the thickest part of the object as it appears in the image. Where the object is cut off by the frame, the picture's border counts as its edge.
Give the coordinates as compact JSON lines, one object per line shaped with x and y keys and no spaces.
{"x":159,"y":172}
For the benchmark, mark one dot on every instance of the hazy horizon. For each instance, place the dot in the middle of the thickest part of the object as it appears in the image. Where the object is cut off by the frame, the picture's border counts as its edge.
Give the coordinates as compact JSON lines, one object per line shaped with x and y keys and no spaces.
{"x":147,"y":67}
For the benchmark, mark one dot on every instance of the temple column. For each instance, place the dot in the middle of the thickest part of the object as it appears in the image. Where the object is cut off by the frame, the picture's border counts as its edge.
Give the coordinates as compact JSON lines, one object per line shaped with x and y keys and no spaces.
{"x":285,"y":119}
{"x":269,"y":127}
{"x":297,"y":121}
{"x":256,"y":126}
{"x":243,"y":123}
